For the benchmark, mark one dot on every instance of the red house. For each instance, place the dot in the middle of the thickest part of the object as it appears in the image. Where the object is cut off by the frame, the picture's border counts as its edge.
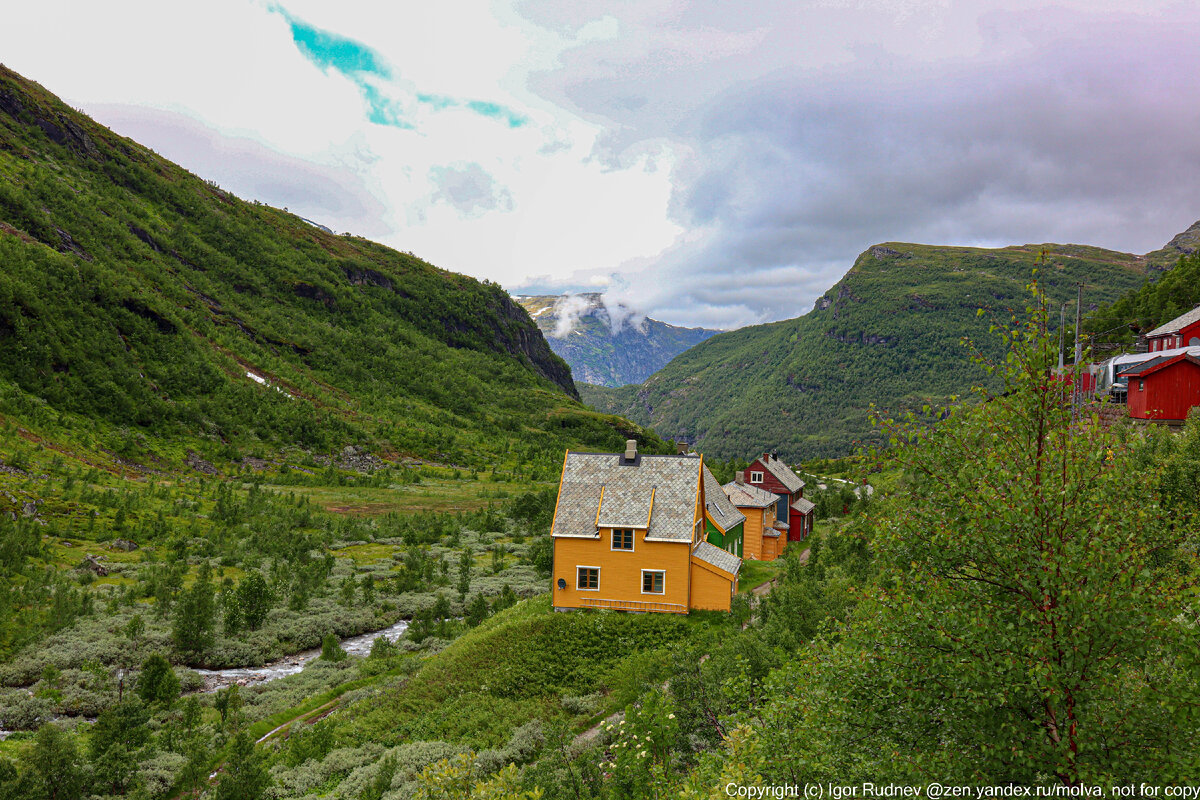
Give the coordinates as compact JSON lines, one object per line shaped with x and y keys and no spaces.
{"x":1164,"y":388}
{"x":793,"y":513}
{"x":1183,"y":331}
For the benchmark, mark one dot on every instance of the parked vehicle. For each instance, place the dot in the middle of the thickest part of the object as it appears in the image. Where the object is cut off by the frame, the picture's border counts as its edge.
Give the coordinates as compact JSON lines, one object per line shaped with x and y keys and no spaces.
{"x":1108,"y":373}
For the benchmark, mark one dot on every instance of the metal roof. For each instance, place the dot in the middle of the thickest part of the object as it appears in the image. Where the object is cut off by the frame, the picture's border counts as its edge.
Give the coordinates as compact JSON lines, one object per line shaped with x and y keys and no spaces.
{"x":721,"y":559}
{"x":1147,"y":367}
{"x":1177,"y":324}
{"x":743,"y":495}
{"x":723,"y":513}
{"x":1137,"y":367}
{"x":597,"y":489}
{"x":782,"y":472}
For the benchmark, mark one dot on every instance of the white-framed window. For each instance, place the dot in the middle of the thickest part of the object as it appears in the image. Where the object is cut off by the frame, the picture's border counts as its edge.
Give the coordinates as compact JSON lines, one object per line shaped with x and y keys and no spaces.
{"x":1141,"y":386}
{"x":654,"y":581}
{"x":587,"y":579}
{"x":756,"y":477}
{"x":622,"y":539}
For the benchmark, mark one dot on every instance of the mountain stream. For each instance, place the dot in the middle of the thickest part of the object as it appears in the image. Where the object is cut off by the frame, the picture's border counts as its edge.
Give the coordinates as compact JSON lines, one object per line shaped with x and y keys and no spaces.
{"x":215,"y":679}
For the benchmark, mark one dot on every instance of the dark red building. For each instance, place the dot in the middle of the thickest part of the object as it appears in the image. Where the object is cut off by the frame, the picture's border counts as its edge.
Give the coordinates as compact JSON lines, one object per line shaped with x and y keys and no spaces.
{"x":793,"y":514}
{"x":1164,"y":388}
{"x":1183,"y":331}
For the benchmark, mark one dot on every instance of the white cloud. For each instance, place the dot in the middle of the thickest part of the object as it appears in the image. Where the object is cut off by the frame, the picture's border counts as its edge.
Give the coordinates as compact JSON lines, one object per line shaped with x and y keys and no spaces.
{"x":567,"y":311}
{"x":232,"y":70}
{"x":707,"y":163}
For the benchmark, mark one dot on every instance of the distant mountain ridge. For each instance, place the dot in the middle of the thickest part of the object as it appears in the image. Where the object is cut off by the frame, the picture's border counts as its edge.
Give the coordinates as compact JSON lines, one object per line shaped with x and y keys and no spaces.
{"x":888,"y":333}
{"x":606,"y":348}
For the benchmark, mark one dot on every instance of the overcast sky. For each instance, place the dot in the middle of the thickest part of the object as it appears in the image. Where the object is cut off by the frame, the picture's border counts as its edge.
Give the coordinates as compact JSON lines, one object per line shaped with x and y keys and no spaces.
{"x":707,"y":163}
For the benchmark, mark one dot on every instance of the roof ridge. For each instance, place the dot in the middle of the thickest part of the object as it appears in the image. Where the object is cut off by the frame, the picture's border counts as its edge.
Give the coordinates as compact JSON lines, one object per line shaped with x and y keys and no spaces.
{"x":1182,"y":321}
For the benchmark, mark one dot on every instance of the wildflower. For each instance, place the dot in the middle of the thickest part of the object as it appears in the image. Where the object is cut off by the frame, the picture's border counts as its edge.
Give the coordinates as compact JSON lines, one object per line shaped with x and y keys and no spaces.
{"x":670,"y":716}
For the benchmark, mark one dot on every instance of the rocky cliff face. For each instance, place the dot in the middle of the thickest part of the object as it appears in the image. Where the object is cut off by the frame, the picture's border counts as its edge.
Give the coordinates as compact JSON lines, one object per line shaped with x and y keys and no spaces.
{"x":608,"y":347}
{"x":522,"y":338}
{"x":1182,"y":244}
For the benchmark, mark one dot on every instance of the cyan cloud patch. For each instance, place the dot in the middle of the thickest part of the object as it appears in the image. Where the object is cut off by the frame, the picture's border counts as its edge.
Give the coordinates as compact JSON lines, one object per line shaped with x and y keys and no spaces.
{"x":353,"y":59}
{"x":495,"y":111}
{"x":360,"y":64}
{"x":327,"y":50}
{"x":383,"y":110}
{"x":438,"y":102}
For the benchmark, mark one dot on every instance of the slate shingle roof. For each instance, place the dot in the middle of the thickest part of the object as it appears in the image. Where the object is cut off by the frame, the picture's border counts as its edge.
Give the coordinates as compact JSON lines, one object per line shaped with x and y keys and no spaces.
{"x":744,"y":495}
{"x":804,"y":506}
{"x":673,"y":481}
{"x":1177,"y":324}
{"x":782,"y":473}
{"x":721,"y":559}
{"x":723,"y":513}
{"x":627,"y":508}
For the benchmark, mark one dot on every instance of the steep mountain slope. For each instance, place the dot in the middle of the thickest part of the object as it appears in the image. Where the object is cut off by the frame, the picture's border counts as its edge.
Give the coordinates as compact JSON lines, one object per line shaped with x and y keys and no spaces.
{"x":889,"y":333}
{"x":136,"y":295}
{"x":597,"y":353}
{"x":1182,"y":244}
{"x":1171,"y":294}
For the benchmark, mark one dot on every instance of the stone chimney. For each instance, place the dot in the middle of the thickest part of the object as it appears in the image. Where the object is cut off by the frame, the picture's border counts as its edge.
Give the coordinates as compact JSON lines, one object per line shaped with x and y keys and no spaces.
{"x":740,"y":477}
{"x":766,"y":457}
{"x":630,"y":449}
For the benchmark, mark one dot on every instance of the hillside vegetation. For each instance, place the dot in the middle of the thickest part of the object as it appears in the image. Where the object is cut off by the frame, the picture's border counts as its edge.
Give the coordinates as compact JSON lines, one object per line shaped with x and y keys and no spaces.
{"x":140,"y":298}
{"x":228,"y":436}
{"x":890,"y":333}
{"x":1156,"y":303}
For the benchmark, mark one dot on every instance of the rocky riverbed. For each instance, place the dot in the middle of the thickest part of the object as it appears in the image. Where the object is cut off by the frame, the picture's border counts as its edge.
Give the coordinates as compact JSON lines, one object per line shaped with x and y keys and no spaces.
{"x":215,"y":679}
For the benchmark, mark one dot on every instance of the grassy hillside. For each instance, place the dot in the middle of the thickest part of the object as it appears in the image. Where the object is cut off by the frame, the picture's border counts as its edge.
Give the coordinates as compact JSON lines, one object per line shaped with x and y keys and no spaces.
{"x":889,"y":333}
{"x":137,"y":297}
{"x":598,"y":354}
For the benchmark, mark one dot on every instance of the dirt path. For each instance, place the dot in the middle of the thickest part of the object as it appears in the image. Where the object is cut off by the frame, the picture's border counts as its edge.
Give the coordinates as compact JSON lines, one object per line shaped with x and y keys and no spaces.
{"x":594,"y":731}
{"x":764,"y":589}
{"x":308,"y":717}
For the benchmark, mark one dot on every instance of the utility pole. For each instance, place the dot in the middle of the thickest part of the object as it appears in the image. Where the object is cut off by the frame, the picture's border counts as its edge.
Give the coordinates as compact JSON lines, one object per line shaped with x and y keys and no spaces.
{"x":1062,"y":332}
{"x":1078,"y":319}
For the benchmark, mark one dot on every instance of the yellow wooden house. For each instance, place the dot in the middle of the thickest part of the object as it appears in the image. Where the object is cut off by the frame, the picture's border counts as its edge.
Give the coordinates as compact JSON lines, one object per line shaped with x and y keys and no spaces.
{"x":629,"y":534}
{"x":764,"y":537}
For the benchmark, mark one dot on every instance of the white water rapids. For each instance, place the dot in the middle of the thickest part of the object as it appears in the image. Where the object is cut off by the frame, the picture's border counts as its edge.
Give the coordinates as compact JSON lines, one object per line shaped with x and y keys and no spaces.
{"x":360,"y":645}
